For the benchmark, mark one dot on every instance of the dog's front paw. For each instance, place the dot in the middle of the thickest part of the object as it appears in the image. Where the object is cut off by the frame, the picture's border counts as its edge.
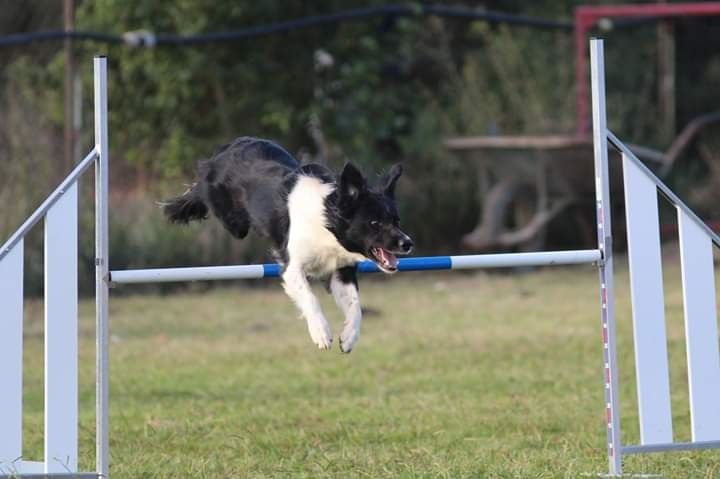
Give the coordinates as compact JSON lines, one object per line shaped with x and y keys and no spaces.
{"x":348,"y":337}
{"x":320,"y":333}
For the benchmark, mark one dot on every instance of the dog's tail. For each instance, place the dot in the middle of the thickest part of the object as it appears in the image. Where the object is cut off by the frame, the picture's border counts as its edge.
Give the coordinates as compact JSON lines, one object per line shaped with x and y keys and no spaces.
{"x":188,"y":207}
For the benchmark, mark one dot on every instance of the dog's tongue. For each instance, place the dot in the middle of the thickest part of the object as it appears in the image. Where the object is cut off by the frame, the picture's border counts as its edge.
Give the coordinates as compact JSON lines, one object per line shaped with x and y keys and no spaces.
{"x":389,"y":260}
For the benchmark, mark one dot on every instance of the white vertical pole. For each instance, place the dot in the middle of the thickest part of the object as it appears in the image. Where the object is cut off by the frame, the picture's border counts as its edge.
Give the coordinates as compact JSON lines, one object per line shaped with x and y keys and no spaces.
{"x":11,"y":355}
{"x":101,"y":268}
{"x":701,"y":331}
{"x":61,"y":334}
{"x":648,"y":305}
{"x":605,"y":266}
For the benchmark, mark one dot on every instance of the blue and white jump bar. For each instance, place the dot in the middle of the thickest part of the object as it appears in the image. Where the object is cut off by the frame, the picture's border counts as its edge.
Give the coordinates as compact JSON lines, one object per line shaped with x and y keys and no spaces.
{"x":256,"y":271}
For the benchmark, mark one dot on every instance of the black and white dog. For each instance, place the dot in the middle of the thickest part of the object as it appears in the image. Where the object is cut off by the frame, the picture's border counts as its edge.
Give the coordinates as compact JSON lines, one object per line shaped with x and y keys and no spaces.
{"x":320,"y":226}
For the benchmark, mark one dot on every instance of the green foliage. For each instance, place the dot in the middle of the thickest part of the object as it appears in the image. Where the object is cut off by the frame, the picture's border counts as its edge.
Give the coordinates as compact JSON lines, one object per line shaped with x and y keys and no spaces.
{"x":368,"y":100}
{"x":171,"y":106}
{"x":373,"y":91}
{"x":514,"y":85}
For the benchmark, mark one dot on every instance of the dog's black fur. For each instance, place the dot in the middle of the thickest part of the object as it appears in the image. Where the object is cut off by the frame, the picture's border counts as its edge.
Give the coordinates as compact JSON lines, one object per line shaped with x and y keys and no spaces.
{"x":247,"y":182}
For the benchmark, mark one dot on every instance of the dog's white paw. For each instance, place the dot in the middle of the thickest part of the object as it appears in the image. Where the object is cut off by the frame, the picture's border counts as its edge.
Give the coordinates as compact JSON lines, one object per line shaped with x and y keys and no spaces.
{"x":320,"y":333}
{"x":348,"y":337}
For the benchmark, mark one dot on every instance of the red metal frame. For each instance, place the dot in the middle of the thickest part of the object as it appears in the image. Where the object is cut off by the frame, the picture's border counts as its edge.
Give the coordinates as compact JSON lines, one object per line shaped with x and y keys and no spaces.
{"x":587,"y":16}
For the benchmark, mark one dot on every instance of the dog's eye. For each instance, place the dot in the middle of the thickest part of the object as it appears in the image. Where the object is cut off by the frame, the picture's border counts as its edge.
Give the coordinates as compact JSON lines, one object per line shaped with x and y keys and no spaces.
{"x":374,"y":224}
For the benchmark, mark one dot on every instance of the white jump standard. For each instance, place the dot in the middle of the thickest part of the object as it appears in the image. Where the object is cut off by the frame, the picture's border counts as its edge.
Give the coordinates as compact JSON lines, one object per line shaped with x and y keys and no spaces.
{"x":60,"y":214}
{"x":59,"y":211}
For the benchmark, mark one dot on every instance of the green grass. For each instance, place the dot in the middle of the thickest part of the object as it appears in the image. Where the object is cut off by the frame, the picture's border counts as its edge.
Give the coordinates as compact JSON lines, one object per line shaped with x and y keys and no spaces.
{"x":455,"y":376}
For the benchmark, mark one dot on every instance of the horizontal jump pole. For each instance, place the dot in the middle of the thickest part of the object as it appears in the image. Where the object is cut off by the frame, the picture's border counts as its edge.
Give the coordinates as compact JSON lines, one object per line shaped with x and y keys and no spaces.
{"x":257,"y":271}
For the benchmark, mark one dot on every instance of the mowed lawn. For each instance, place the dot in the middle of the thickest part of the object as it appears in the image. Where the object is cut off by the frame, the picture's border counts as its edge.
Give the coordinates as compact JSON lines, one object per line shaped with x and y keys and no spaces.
{"x":456,"y":375}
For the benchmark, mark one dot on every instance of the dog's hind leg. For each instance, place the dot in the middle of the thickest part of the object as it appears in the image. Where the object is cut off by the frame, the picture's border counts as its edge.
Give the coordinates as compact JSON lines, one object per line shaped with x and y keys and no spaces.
{"x":297,"y":287}
{"x":229,"y":210}
{"x":237,"y":222}
{"x":343,"y":286}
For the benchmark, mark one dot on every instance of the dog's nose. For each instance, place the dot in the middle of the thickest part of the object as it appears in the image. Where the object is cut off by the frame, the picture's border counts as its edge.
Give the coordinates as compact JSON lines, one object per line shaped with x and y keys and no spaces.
{"x":406,"y":245}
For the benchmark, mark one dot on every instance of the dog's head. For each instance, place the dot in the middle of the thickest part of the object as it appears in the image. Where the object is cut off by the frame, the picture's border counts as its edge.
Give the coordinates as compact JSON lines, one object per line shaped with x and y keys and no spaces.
{"x":371,"y":217}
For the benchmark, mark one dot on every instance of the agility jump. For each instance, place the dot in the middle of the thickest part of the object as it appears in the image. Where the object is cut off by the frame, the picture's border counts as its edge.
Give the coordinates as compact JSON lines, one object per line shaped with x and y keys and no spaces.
{"x":59,"y":212}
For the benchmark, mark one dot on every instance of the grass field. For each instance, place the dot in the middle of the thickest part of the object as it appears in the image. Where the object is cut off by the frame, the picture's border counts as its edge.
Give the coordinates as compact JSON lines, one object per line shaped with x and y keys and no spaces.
{"x":455,"y":376}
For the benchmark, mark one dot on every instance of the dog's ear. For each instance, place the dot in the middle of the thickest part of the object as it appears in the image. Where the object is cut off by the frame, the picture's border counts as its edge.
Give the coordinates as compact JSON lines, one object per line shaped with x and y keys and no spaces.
{"x":352,"y":182}
{"x":389,"y":180}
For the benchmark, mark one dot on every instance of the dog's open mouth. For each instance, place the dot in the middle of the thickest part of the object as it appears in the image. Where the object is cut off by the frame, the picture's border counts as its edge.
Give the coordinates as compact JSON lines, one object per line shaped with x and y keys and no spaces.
{"x":385,"y":260}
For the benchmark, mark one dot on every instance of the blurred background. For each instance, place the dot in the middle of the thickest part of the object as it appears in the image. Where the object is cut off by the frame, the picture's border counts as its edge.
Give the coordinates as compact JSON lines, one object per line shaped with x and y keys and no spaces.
{"x":485,"y":103}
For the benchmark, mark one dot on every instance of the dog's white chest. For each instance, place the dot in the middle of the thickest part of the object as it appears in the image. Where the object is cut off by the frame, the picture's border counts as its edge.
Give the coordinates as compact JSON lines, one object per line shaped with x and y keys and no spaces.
{"x":309,"y":241}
